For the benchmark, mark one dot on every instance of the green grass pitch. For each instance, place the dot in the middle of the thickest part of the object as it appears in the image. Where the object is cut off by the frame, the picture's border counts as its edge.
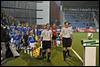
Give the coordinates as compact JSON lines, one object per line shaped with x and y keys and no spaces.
{"x":56,"y":55}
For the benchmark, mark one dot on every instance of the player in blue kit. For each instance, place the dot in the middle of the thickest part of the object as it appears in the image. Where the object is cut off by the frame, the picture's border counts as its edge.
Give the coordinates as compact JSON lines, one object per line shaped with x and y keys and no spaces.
{"x":17,"y":39}
{"x":24,"y":29}
{"x":29,"y":28}
{"x":25,"y":41}
{"x":12,"y":27}
{"x":31,"y":39}
{"x":12,"y":34}
{"x":20,"y":29}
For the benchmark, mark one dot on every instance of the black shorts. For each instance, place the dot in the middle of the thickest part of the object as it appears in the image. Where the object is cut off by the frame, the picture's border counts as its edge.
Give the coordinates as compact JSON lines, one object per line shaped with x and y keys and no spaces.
{"x":67,"y":42}
{"x":25,"y":44}
{"x":54,"y":37}
{"x":46,"y":44}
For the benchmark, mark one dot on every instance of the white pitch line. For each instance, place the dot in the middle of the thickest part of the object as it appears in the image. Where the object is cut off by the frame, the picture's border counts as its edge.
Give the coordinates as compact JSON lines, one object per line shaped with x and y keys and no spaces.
{"x":77,"y":55}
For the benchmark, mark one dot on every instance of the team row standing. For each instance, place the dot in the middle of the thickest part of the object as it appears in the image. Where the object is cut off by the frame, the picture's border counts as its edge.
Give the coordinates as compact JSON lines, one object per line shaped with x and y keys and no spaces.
{"x":47,"y":36}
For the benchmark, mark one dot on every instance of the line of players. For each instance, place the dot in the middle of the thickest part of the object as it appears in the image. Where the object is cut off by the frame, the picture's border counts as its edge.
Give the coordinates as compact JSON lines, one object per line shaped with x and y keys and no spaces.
{"x":31,"y":37}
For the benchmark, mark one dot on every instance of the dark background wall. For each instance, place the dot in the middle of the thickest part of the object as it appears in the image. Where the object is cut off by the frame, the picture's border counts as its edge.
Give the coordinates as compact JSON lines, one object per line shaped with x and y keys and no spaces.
{"x":54,"y":13}
{"x":80,"y":4}
{"x":20,"y":10}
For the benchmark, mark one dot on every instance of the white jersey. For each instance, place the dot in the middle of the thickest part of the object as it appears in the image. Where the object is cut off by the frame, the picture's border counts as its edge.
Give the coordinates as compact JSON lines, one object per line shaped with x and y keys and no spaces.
{"x":46,"y":34}
{"x":66,"y":32}
{"x":70,"y":29}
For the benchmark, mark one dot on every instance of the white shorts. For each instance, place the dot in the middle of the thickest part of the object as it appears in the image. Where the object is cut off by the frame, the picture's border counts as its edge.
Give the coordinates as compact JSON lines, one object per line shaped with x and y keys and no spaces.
{"x":41,"y":45}
{"x":32,"y":45}
{"x":58,"y":42}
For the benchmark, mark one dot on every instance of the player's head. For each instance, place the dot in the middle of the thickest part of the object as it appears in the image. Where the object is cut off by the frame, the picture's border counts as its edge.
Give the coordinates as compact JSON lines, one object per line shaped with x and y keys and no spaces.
{"x":66,"y":24}
{"x":46,"y":26}
{"x":31,"y":32}
{"x":27,"y":24}
{"x":27,"y":32}
{"x":50,"y":27}
{"x":69,"y":24}
{"x":54,"y":24}
{"x":18,"y":32}
{"x":33,"y":26}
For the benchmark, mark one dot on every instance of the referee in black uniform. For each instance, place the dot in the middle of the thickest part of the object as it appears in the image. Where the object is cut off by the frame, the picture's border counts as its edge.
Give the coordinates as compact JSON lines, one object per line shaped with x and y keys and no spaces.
{"x":66,"y":35}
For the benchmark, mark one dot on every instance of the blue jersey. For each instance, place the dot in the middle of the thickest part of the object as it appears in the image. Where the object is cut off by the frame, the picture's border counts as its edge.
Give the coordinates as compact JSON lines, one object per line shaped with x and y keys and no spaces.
{"x":19,"y":29}
{"x":38,"y":31}
{"x":31,"y":39}
{"x":29,"y":28}
{"x":25,"y":30}
{"x":12,"y":34}
{"x":12,"y":27}
{"x":17,"y":37}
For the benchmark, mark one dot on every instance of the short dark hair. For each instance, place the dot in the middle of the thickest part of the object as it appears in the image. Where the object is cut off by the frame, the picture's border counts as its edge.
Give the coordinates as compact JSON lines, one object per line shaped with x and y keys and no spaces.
{"x":66,"y":22}
{"x":69,"y":23}
{"x":46,"y":24}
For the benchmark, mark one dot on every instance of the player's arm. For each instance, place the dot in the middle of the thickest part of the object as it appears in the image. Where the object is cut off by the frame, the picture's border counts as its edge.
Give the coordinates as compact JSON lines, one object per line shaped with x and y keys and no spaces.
{"x":23,"y":38}
{"x":61,"y":37}
{"x":40,"y":39}
{"x":51,"y":36}
{"x":71,"y":35}
{"x":28,"y":41}
{"x":61,"y":33}
{"x":71,"y":32}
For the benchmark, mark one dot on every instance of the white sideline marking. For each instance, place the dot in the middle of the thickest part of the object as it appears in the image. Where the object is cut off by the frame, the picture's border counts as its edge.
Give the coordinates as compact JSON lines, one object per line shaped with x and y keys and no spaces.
{"x":77,"y":55}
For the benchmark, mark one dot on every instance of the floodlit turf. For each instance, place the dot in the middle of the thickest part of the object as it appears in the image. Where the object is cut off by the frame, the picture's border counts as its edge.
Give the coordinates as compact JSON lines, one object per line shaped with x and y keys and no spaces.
{"x":56,"y":55}
{"x":77,"y":46}
{"x":56,"y":60}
